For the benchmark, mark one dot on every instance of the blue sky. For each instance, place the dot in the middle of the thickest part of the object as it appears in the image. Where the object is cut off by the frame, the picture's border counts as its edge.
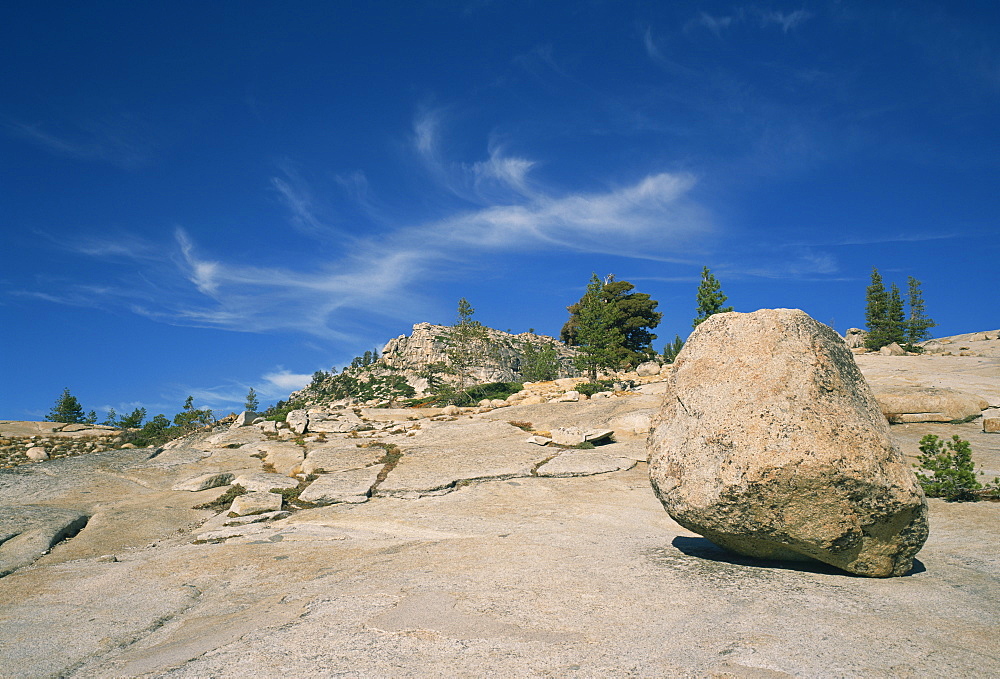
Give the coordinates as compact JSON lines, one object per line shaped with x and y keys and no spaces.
{"x":199,"y":198}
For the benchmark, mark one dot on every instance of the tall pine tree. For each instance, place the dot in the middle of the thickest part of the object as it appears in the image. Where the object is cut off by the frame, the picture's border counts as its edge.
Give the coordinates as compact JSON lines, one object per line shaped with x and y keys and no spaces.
{"x":252,"y":403}
{"x":467,"y":344}
{"x":67,"y":409}
{"x":597,"y":332}
{"x":876,"y":313}
{"x":710,"y":298}
{"x":917,"y":324}
{"x":896,"y":319}
{"x":671,"y":350}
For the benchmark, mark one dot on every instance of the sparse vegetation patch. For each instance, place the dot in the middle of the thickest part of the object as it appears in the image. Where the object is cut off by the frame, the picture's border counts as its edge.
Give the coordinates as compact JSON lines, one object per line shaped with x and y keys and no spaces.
{"x":224,"y":500}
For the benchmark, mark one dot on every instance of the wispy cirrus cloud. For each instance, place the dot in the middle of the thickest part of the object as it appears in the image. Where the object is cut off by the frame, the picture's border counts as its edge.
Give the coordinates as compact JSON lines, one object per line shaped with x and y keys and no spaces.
{"x":656,"y":55}
{"x":121,"y":141}
{"x":786,"y":20}
{"x":500,"y":177}
{"x":297,"y":197}
{"x":501,"y":208}
{"x":717,"y":25}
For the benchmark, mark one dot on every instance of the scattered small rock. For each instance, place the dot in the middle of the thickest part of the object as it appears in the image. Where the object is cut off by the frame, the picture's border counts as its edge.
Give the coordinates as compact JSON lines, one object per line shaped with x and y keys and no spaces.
{"x":892,"y":350}
{"x":37,"y":454}
{"x":256,"y":502}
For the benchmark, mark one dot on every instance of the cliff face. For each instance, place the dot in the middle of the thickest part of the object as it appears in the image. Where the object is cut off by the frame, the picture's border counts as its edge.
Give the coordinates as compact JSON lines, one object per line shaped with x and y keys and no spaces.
{"x":411,"y":354}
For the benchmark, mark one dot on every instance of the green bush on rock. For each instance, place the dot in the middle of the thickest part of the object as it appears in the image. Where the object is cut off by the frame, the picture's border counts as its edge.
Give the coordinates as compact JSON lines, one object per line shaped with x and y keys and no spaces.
{"x":952,"y":473}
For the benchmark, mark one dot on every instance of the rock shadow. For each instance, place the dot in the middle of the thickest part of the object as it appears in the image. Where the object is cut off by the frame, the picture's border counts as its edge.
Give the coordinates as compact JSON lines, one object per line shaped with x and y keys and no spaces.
{"x":704,"y":548}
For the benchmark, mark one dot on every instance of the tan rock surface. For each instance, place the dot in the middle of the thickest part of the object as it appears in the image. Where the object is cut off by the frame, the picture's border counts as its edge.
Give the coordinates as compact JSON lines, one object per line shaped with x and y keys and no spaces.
{"x":339,"y":456}
{"x":352,"y":485}
{"x":928,"y":404}
{"x":528,"y":576}
{"x":467,"y":450}
{"x":977,"y":375}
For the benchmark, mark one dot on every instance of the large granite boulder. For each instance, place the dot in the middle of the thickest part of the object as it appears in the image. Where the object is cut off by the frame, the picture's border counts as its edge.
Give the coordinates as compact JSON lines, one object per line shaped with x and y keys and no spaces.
{"x":770,"y":444}
{"x":244,"y":419}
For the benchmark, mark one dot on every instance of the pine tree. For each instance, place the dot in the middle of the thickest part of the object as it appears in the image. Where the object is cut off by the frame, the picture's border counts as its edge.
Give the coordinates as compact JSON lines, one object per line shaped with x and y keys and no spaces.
{"x":67,"y":409}
{"x":538,"y":364}
{"x":467,"y":344}
{"x":917,"y":324}
{"x":710,"y":298}
{"x":133,"y":420}
{"x":876,"y":313}
{"x":597,"y":332}
{"x":896,"y":319}
{"x":635,"y":316}
{"x":671,"y":350}
{"x":189,"y":418}
{"x":251,"y":404}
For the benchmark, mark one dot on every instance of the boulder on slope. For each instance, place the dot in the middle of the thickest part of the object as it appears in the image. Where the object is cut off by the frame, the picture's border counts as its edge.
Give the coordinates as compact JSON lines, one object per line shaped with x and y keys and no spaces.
{"x":771,"y":444}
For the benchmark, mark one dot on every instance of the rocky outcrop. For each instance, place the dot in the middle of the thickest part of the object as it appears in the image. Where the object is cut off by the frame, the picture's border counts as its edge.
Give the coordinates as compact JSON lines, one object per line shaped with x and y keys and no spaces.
{"x":969,"y":344}
{"x":426,"y":345}
{"x":928,"y":404}
{"x":520,"y":570}
{"x":855,"y":338}
{"x":771,"y":444}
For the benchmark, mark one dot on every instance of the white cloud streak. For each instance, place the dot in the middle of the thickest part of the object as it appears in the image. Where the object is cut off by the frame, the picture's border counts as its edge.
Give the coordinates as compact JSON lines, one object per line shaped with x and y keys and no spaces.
{"x":717,"y":25}
{"x":358,"y":278}
{"x":120,"y":141}
{"x":299,"y":202}
{"x":787,"y":22}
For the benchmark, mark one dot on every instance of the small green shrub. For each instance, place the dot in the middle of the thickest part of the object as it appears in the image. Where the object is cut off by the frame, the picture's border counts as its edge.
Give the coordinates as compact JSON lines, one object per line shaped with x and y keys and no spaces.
{"x":952,"y":473}
{"x":591,"y":388}
{"x":291,"y":495}
{"x":473,"y":395}
{"x":279,"y":411}
{"x":224,"y":500}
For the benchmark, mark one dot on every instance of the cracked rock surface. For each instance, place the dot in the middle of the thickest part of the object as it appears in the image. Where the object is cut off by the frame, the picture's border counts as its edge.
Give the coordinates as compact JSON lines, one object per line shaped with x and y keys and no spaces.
{"x":476,"y":552}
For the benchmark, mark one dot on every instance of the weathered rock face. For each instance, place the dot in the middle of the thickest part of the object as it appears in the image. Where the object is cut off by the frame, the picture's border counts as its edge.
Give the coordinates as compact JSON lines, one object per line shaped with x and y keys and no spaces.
{"x":426,"y":345}
{"x":770,"y":443}
{"x":855,"y":337}
{"x":928,"y":404}
{"x":648,"y":369}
